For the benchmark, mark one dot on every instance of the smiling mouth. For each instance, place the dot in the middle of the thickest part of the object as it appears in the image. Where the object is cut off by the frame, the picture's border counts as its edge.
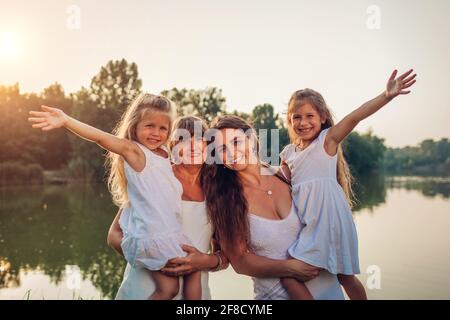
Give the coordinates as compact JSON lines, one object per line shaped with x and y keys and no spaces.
{"x":305,"y":130}
{"x":237,"y":159}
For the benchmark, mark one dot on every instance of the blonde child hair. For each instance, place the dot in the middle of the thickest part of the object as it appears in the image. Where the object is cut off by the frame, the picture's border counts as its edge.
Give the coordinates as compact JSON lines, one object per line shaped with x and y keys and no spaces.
{"x":143,"y":105}
{"x":298,"y":99}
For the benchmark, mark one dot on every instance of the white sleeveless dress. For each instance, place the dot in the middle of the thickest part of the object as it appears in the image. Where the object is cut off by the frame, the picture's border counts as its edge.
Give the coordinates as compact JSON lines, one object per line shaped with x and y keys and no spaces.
{"x":272,"y":238}
{"x":150,"y":223}
{"x":137,"y":283}
{"x":329,"y":239}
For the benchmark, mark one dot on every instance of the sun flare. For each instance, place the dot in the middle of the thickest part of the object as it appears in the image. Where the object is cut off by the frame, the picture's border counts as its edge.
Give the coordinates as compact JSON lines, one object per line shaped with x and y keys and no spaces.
{"x":9,"y":46}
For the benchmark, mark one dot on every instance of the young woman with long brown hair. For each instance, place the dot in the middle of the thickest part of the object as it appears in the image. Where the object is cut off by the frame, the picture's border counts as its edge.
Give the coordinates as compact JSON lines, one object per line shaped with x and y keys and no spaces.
{"x":253,"y":216}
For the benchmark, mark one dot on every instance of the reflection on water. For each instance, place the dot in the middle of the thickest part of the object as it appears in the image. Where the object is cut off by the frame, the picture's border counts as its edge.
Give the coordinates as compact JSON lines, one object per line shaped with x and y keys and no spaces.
{"x":429,"y":186}
{"x":53,"y":241}
{"x":370,"y":191}
{"x":42,"y":231}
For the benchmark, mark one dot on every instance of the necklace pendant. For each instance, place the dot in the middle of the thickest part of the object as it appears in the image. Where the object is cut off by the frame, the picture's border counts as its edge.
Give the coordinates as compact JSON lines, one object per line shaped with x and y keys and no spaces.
{"x":269,"y":192}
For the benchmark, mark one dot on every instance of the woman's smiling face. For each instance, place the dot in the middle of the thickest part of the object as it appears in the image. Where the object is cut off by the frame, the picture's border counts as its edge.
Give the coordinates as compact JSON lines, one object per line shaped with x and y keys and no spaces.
{"x":235,"y":148}
{"x":192,"y":151}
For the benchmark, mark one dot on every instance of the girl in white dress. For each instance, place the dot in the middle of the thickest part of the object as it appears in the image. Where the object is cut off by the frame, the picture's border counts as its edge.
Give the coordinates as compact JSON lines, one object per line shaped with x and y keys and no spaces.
{"x":321,"y":184}
{"x":190,"y":148}
{"x":142,"y":183}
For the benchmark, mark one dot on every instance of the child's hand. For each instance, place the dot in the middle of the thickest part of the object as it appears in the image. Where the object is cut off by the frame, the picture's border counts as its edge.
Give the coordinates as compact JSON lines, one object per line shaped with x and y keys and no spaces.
{"x":51,"y":118}
{"x":396,"y":86}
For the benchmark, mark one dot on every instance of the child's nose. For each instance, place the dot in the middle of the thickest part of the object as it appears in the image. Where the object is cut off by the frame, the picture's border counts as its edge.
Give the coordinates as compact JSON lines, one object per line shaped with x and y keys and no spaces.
{"x":303,"y":122}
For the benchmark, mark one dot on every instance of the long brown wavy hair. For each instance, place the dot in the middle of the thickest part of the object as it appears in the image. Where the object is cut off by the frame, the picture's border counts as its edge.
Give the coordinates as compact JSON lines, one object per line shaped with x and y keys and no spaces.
{"x":224,"y":194}
{"x":314,"y":98}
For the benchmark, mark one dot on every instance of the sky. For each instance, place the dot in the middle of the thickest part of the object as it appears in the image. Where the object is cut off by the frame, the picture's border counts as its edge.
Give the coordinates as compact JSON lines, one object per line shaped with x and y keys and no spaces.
{"x":255,"y":51}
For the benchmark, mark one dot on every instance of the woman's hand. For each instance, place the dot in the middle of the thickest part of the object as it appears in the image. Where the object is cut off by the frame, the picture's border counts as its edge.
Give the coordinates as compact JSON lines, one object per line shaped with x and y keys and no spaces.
{"x":302,"y":271}
{"x":49,"y":119}
{"x":194,"y":261}
{"x":396,"y":86}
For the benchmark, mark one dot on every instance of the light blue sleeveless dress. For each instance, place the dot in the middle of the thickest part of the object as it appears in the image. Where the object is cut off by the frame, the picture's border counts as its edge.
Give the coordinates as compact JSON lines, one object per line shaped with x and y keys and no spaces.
{"x":328,"y":239}
{"x":272,"y":238}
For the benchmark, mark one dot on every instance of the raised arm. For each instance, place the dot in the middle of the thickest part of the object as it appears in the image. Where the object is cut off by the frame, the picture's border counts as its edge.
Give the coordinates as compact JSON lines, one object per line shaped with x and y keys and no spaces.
{"x":395,"y":86}
{"x":53,"y":118}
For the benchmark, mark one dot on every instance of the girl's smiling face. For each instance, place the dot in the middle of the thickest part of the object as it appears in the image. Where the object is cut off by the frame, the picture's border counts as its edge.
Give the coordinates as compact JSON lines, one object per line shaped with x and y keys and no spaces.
{"x":152,"y":130}
{"x":306,"y":122}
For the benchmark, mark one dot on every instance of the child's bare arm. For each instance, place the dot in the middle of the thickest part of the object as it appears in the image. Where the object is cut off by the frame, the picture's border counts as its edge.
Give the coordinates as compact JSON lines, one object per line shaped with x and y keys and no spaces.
{"x":52,"y":118}
{"x":285,"y":171}
{"x":395,"y":86}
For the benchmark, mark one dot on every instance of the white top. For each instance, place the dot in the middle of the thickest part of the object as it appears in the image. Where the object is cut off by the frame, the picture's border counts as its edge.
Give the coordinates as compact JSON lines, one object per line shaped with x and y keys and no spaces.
{"x":328,"y":239}
{"x":138,"y":285}
{"x":272,"y":238}
{"x":150,"y":223}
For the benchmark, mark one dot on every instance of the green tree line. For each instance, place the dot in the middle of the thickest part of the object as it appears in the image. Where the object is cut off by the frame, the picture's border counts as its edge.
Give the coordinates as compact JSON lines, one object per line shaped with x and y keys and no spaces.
{"x":429,"y":157}
{"x":26,"y":153}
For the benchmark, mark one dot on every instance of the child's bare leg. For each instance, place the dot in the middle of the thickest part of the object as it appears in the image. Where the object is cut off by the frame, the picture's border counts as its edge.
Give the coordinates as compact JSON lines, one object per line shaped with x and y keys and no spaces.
{"x":166,"y":288}
{"x":353,"y":287}
{"x":296,"y":289}
{"x":192,"y":286}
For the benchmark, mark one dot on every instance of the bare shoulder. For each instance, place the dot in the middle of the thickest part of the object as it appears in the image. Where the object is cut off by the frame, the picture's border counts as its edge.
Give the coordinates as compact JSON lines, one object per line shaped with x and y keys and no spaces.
{"x":329,"y":143}
{"x":134,"y":156}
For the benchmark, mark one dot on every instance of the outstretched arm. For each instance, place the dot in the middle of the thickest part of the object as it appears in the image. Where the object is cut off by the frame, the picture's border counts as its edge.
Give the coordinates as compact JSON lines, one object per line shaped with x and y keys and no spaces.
{"x":395,"y":86}
{"x":52,"y":118}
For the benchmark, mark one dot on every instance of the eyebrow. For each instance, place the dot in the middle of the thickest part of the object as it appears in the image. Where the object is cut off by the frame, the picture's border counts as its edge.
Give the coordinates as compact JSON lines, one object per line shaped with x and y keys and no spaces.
{"x":234,"y":139}
{"x":151,"y":122}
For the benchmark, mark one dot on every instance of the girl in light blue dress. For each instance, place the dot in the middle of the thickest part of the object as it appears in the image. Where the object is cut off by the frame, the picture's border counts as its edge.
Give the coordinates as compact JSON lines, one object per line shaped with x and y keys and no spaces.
{"x":321,"y":184}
